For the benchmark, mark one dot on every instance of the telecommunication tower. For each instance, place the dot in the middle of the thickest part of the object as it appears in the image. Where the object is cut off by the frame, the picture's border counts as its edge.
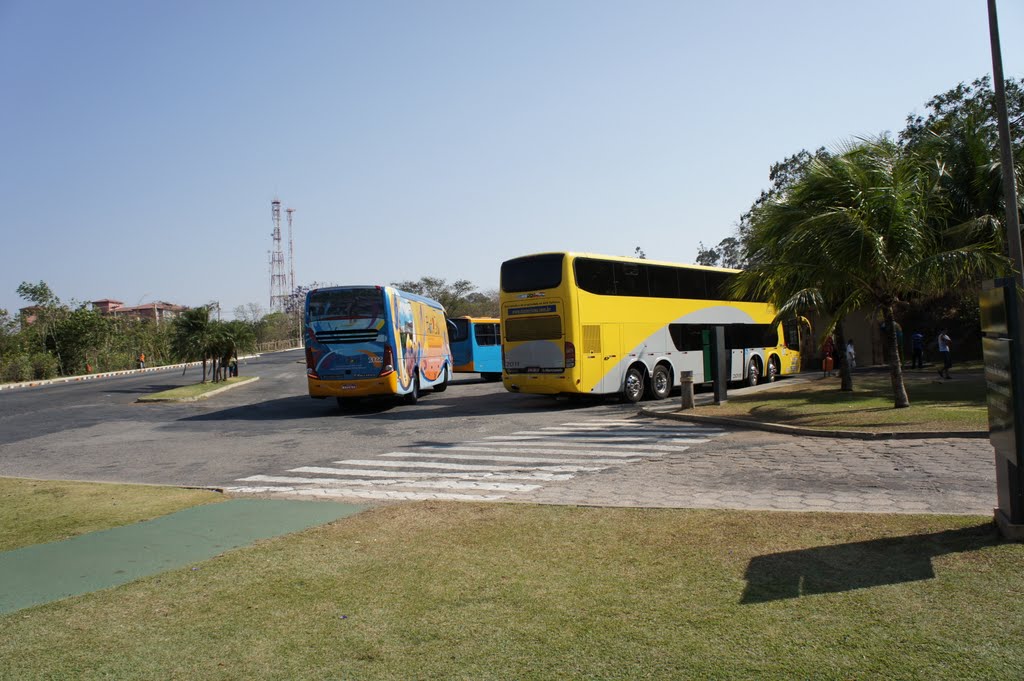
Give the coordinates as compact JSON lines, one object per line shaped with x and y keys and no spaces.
{"x":278,"y":279}
{"x":291,"y":253}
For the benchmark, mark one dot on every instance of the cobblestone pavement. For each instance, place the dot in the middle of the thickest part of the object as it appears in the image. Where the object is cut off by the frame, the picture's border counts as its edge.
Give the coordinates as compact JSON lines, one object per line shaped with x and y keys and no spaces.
{"x":749,"y":469}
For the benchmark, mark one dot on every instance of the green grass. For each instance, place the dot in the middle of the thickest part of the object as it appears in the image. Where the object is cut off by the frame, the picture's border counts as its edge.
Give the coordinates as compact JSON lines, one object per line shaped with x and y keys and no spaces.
{"x":935,"y":404}
{"x":38,"y":511}
{"x":476,"y":591}
{"x":196,"y":391}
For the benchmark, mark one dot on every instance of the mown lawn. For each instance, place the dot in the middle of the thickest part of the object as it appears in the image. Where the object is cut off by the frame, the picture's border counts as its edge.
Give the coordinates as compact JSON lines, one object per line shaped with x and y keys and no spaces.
{"x":477,"y":591}
{"x":40,"y":511}
{"x":935,"y":404}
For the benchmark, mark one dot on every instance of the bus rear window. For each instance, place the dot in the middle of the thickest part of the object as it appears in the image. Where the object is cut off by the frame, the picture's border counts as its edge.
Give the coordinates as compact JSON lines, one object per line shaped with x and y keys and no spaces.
{"x":346,"y":303}
{"x":532,"y":273}
{"x":533,"y":328}
{"x":458,"y":329}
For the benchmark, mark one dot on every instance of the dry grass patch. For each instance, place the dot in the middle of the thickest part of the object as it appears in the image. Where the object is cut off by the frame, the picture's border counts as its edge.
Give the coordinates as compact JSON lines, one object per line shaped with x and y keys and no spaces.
{"x":936,"y":405}
{"x":40,"y":511}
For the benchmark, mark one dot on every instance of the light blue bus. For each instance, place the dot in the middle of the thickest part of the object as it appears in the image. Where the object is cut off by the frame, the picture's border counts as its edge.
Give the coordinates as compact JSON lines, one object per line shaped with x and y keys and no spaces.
{"x":476,"y":346}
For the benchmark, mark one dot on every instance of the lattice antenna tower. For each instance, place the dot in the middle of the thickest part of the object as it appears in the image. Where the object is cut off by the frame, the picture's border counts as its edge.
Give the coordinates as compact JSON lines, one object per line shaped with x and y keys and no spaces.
{"x":291,"y":254}
{"x":278,"y":279}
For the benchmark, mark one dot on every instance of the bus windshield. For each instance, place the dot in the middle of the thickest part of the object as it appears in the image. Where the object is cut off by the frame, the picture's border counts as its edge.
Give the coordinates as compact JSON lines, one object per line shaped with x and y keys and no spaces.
{"x":348,"y":303}
{"x":532,"y":273}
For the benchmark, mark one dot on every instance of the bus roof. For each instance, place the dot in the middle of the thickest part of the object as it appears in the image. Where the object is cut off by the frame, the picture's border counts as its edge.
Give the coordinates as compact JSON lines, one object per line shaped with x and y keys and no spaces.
{"x":620,"y":258}
{"x":384,"y":287}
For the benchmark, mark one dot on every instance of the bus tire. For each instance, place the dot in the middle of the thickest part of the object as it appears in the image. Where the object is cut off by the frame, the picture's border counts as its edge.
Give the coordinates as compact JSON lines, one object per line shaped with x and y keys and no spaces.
{"x":443,"y":385}
{"x":753,"y":372}
{"x":773,"y":370}
{"x":661,"y":383}
{"x":634,"y":385}
{"x":413,"y":396}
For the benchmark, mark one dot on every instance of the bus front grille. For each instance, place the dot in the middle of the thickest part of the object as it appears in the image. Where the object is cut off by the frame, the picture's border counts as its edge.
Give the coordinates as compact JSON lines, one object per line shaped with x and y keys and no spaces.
{"x":347,"y":336}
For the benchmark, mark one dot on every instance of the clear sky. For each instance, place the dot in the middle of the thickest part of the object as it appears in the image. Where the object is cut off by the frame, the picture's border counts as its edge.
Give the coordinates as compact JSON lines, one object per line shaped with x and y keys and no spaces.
{"x":143,"y":141}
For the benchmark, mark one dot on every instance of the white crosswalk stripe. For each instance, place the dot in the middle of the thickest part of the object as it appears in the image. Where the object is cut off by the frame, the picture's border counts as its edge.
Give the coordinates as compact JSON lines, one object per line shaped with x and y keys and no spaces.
{"x":487,"y":469}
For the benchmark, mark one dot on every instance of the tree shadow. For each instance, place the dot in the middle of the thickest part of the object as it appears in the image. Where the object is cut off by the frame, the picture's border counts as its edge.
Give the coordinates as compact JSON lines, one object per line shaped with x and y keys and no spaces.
{"x":858,"y":565}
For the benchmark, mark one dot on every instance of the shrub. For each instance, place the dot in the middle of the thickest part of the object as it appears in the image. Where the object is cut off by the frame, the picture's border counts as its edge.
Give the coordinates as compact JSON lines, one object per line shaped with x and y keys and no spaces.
{"x":18,"y":368}
{"x":44,"y":365}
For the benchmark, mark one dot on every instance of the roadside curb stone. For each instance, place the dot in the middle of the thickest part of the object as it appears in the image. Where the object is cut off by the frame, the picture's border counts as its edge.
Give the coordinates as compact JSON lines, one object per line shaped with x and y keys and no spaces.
{"x":812,"y":432}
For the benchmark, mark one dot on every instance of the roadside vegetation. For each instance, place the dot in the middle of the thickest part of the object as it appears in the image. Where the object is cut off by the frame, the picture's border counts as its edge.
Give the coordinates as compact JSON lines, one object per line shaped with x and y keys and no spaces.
{"x":895,"y":227}
{"x":53,"y":338}
{"x":446,"y":590}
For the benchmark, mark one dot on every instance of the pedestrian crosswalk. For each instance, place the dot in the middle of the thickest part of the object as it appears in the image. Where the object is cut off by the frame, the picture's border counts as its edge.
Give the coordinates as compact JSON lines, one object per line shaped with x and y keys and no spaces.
{"x":491,"y":468}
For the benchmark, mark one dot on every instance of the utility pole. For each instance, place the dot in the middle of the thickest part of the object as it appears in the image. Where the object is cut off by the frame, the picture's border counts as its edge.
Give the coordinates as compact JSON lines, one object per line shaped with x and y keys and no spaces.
{"x":291,"y":255}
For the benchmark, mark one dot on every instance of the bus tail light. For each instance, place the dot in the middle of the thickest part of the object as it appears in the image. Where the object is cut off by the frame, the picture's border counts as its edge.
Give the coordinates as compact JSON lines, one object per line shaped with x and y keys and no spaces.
{"x":570,"y":355}
{"x":388,"y":364}
{"x":310,"y":365}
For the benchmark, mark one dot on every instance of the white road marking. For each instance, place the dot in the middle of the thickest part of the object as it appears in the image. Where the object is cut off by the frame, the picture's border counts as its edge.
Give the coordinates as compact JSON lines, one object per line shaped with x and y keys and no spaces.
{"x":363,"y":493}
{"x":406,"y":482}
{"x":469,"y":475}
{"x":499,"y":458}
{"x":468,"y":467}
{"x":506,"y":465}
{"x":511,"y":449}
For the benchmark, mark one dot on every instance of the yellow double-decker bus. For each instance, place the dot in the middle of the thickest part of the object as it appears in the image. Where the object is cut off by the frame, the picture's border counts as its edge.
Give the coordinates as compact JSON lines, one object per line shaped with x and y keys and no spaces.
{"x":577,"y":323}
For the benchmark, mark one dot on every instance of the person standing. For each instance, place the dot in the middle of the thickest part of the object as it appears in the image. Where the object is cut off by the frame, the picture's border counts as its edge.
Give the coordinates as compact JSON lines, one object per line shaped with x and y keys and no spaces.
{"x":917,"y":346}
{"x":142,"y":360}
{"x":944,"y":346}
{"x":828,"y":354}
{"x":851,"y":356}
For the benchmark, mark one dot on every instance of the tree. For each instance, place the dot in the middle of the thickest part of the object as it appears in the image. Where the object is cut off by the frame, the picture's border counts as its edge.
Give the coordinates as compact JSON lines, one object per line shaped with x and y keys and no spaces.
{"x":863,"y":228}
{"x":452,"y":296}
{"x":732,"y":251}
{"x":191,"y":336}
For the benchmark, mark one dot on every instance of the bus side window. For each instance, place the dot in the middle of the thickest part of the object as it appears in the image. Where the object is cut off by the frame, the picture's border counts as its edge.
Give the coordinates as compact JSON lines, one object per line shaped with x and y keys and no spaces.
{"x":487,"y":334}
{"x":686,"y":337}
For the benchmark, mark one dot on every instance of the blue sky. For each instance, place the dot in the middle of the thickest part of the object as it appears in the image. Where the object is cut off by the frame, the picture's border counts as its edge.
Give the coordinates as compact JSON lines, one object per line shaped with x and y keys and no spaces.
{"x":144,"y":141}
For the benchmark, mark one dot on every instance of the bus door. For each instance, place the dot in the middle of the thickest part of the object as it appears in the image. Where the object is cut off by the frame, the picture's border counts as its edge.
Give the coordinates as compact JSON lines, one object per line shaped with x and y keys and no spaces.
{"x":599,"y":359}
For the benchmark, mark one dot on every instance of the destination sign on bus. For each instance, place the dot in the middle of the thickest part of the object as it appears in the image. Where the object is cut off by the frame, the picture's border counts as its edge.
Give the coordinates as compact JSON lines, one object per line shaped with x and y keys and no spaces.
{"x":535,"y":309}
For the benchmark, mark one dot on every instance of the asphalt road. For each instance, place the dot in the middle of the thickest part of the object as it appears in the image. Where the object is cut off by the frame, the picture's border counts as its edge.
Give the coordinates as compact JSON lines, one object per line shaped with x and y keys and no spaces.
{"x":95,"y":430}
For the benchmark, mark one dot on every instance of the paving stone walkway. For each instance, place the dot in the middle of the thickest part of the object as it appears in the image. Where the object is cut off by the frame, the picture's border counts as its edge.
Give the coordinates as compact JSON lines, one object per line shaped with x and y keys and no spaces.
{"x":755,"y":470}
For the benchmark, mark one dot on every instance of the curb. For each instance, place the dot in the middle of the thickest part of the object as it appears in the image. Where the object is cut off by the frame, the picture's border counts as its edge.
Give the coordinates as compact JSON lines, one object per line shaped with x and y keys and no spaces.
{"x":247,"y":381}
{"x":811,"y":432}
{"x":109,"y":374}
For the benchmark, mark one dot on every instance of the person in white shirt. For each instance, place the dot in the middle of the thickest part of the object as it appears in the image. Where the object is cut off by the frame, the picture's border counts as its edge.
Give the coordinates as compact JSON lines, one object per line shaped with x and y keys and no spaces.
{"x":851,"y":356}
{"x":944,"y":345}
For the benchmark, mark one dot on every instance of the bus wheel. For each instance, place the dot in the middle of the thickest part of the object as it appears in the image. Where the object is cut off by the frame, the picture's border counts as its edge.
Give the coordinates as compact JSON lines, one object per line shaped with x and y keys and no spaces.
{"x":413,"y":396}
{"x":633,"y":389}
{"x":661,"y":383}
{"x":773,"y":371}
{"x":443,"y":385}
{"x":753,"y":373}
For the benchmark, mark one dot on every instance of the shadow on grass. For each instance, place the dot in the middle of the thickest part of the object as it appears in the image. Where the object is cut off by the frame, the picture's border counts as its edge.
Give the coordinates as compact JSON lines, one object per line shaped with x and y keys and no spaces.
{"x":859,"y":565}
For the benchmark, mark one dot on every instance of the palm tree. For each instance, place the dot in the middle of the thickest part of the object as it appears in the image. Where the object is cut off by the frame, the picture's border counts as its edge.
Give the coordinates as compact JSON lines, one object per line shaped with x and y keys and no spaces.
{"x":862,"y":228}
{"x":190,"y":338}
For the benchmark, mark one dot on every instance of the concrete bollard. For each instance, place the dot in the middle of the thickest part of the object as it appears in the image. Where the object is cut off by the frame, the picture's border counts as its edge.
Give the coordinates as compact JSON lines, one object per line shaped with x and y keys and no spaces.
{"x":686,"y":389}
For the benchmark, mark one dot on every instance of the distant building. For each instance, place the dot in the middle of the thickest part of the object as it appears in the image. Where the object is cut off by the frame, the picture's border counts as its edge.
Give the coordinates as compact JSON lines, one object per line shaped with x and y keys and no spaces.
{"x":158,"y":310}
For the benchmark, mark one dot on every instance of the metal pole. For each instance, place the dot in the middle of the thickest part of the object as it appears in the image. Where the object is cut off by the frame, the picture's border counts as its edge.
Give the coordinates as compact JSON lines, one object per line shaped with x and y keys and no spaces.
{"x":1005,"y":150}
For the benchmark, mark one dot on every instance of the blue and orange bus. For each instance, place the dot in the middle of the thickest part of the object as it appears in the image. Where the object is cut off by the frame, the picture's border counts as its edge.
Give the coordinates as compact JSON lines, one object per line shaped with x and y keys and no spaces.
{"x":374,"y":340}
{"x":476,"y":346}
